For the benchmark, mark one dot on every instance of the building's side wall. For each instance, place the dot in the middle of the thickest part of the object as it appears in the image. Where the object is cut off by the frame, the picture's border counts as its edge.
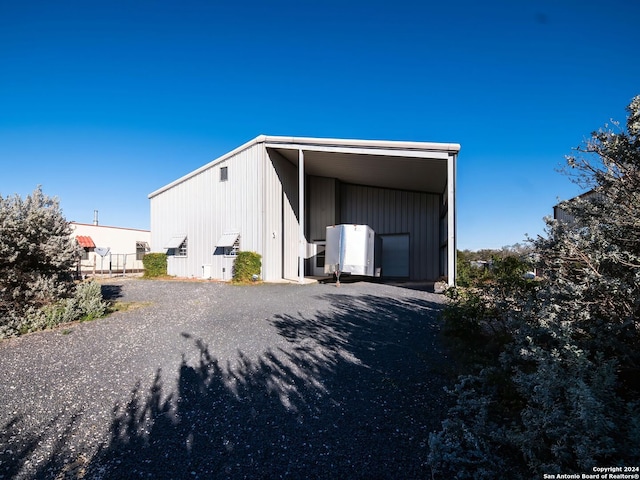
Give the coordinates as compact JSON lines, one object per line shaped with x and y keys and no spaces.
{"x":562,"y":215}
{"x":393,"y":212}
{"x":280,"y":217}
{"x":122,"y":244}
{"x":204,"y":208}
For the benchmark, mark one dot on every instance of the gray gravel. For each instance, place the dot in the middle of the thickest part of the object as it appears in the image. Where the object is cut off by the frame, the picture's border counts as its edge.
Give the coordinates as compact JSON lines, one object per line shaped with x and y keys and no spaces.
{"x":209,"y":380}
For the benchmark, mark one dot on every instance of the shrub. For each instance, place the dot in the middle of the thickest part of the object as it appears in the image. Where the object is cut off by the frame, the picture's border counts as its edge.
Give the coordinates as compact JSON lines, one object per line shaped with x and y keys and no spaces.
{"x":86,"y":303}
{"x":246,"y":267}
{"x":561,"y":394}
{"x":89,"y":302}
{"x":155,"y":264}
{"x":478,"y":319}
{"x":468,"y":275}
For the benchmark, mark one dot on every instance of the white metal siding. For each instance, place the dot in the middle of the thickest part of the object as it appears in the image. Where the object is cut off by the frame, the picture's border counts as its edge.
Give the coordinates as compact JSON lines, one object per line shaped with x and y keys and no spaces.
{"x":272,"y":207}
{"x":395,"y":211}
{"x":204,"y":208}
{"x":281,"y":182}
{"x":260,"y":201}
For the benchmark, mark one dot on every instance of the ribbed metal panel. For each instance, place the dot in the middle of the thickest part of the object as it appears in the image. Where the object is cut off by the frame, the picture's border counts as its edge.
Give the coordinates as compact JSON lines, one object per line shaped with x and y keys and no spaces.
{"x":288,"y":176}
{"x":204,"y":208}
{"x":272,"y":219}
{"x":280,"y":217}
{"x":321,"y":206}
{"x":396,"y":211}
{"x":260,"y":201}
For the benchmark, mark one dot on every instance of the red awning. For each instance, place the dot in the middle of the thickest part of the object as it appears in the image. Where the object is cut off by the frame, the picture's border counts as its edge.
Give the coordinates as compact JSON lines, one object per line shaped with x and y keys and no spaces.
{"x":85,"y":241}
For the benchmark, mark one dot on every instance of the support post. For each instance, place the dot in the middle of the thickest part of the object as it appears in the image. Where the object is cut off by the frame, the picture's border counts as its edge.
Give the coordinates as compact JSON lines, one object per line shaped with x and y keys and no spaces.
{"x":451,"y":219}
{"x":302,"y":247}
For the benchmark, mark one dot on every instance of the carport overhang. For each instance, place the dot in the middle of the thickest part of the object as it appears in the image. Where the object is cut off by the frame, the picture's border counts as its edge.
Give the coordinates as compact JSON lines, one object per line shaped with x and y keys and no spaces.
{"x":417,"y":166}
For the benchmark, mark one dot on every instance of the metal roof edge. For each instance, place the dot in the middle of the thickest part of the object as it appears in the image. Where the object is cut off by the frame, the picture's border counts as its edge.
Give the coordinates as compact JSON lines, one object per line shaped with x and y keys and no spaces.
{"x":72,"y":222}
{"x":390,"y":144}
{"x":577,"y":197}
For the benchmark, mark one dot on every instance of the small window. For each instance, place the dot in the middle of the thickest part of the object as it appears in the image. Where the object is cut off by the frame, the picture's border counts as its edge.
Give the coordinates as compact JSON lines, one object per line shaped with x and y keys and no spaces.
{"x":224,"y":174}
{"x":233,"y":249}
{"x":142,"y":248}
{"x":85,"y":254}
{"x":181,"y":251}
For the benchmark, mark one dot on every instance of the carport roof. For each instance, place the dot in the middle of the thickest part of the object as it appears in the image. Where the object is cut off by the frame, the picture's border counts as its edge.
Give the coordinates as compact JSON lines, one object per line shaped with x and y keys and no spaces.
{"x":420,"y":166}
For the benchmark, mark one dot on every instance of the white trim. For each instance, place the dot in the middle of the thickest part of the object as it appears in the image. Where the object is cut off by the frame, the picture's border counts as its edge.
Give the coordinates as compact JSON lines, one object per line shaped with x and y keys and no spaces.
{"x":365,"y":151}
{"x":305,"y":142}
{"x":451,"y":219}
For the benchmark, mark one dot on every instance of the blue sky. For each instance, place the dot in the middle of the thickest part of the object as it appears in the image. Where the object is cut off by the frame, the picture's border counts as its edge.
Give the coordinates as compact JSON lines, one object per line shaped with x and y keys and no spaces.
{"x":102,"y":103}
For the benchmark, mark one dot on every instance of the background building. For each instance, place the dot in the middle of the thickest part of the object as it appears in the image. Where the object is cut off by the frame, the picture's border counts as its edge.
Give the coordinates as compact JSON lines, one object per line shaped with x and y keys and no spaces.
{"x":560,"y":214}
{"x":277,"y":195}
{"x":126,"y":247}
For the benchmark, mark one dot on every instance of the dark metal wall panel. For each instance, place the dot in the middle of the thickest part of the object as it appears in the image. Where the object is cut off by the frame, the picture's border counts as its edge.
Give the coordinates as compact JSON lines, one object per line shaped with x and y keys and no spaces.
{"x":396,"y":211}
{"x":321,"y":206}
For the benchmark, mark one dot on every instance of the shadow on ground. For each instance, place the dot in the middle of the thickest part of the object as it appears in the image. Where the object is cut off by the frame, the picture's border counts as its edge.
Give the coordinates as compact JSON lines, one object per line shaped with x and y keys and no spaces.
{"x":20,"y":445}
{"x":111,"y":292}
{"x":353,"y":394}
{"x":408,"y":284}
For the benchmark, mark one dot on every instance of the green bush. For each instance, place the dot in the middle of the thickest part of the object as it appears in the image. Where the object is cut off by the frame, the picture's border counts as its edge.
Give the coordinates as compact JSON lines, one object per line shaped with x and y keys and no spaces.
{"x":85,"y":304}
{"x":155,"y":264}
{"x":478,"y":316}
{"x":247,"y":267}
{"x":89,"y":302}
{"x":467,"y":275}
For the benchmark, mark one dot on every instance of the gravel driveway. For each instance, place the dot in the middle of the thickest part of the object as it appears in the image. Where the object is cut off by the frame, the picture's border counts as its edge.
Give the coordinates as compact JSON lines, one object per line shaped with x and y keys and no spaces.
{"x":209,"y":380}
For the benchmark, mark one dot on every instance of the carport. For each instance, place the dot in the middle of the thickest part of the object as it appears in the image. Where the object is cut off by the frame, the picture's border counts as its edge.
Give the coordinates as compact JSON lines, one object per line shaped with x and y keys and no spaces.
{"x":403,"y":190}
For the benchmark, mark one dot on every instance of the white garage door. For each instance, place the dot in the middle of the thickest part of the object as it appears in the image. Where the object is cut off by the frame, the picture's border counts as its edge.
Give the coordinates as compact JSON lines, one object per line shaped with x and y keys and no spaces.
{"x":395,"y":255}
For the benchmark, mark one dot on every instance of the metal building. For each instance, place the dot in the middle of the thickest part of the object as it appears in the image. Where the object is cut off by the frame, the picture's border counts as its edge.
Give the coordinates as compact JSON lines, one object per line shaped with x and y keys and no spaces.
{"x":276,"y":196}
{"x":562,"y":215}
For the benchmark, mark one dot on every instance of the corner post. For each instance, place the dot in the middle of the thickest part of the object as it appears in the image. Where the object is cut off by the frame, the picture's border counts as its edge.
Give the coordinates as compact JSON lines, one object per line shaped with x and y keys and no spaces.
{"x":302,"y":247}
{"x":451,"y":219}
